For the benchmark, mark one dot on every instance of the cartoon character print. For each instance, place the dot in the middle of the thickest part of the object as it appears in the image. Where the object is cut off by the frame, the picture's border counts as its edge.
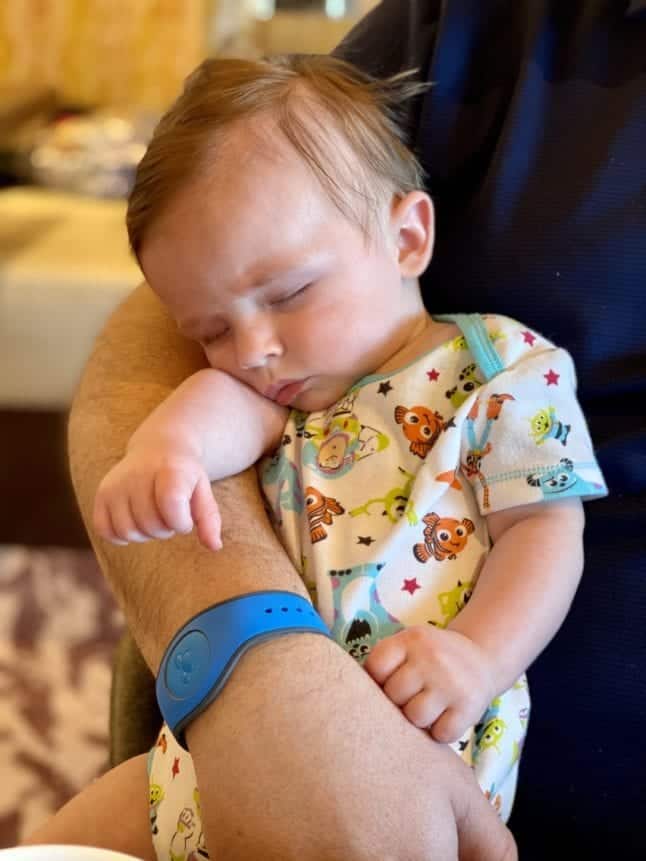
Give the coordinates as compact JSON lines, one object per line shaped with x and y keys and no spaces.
{"x":561,"y":480}
{"x":489,"y":730}
{"x":495,"y":404}
{"x":459,"y":343}
{"x":444,"y":537}
{"x":395,"y":504}
{"x":494,"y":798}
{"x":454,"y":600}
{"x":281,"y":471}
{"x":480,"y":447}
{"x":200,"y":852}
{"x":371,"y":441}
{"x":421,"y":427}
{"x":360,"y":619}
{"x":450,"y":477}
{"x":155,"y":798}
{"x":545,"y":425}
{"x":337,"y":439}
{"x":182,"y":840}
{"x":333,"y":440}
{"x":468,"y":382}
{"x":319,"y":510}
{"x":491,"y":734}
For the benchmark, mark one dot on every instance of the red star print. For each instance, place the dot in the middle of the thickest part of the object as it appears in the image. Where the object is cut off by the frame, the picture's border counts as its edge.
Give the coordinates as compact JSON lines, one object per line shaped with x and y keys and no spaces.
{"x":411,"y":586}
{"x":175,"y":768}
{"x":528,"y":338}
{"x":433,"y":375}
{"x":552,"y":378}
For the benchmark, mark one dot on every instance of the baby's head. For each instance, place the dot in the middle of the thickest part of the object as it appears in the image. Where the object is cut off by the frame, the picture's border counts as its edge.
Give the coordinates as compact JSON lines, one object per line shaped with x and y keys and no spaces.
{"x":279,"y":216}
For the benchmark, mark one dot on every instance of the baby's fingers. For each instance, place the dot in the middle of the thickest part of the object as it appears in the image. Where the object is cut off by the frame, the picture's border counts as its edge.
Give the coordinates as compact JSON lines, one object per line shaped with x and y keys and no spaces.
{"x":385,"y":658}
{"x":172,"y":494}
{"x":450,"y":725}
{"x":124,"y":528}
{"x":103,"y":522}
{"x":404,"y":684}
{"x":206,"y":515}
{"x":424,"y":710}
{"x":145,"y":514}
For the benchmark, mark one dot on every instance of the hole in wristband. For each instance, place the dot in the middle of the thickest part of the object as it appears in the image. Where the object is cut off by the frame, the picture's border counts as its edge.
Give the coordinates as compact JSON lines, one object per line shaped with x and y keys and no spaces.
{"x":284,"y":609}
{"x":299,"y":609}
{"x":268,"y":610}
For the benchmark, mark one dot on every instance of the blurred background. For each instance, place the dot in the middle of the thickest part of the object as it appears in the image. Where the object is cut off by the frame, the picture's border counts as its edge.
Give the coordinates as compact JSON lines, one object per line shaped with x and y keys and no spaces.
{"x":82,"y":83}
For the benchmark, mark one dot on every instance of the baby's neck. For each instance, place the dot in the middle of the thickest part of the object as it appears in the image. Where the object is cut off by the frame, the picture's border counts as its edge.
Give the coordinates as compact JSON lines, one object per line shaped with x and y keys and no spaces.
{"x":425,"y":335}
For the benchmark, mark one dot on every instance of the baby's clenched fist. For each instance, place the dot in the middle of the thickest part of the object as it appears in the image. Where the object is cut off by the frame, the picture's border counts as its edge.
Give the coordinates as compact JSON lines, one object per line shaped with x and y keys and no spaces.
{"x":440,"y":679}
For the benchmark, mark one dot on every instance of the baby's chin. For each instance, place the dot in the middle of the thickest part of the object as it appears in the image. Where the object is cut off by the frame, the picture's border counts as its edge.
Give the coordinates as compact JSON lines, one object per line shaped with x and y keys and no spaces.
{"x":318,"y":398}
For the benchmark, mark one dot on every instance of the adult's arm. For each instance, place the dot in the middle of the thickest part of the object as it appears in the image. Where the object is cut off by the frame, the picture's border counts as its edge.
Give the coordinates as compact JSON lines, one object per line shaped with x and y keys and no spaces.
{"x":301,"y":756}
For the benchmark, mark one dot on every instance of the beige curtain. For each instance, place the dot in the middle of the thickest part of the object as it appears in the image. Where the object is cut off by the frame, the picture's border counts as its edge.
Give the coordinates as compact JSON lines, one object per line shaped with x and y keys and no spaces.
{"x":107,"y":52}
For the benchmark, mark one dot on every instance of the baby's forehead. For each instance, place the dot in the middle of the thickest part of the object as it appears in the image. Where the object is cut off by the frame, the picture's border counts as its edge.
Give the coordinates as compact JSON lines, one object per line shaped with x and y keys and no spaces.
{"x":253,"y":139}
{"x":309,"y":137}
{"x":310,"y":151}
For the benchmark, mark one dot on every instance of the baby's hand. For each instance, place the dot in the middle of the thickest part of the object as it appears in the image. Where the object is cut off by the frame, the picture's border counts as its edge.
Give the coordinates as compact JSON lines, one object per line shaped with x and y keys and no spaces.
{"x":155,"y":494}
{"x":442,"y":680}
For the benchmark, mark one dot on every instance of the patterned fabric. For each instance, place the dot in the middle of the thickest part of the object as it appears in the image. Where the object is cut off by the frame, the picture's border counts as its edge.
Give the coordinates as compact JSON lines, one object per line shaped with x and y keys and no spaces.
{"x":381,"y":502}
{"x":381,"y":499}
{"x":175,"y":814}
{"x":58,"y":628}
{"x":400,"y":474}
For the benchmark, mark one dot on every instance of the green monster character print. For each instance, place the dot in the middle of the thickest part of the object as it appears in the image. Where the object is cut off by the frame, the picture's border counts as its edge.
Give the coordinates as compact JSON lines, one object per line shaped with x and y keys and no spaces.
{"x":395,"y":504}
{"x":454,"y":600}
{"x":545,"y":425}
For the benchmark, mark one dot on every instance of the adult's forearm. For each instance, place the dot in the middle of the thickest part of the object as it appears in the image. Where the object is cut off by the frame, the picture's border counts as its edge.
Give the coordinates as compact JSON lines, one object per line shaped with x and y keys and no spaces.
{"x":138,"y":360}
{"x":302,"y":757}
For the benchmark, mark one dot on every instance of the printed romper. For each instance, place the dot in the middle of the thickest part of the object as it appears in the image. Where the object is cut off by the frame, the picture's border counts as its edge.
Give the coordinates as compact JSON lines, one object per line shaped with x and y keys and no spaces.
{"x":381,"y":502}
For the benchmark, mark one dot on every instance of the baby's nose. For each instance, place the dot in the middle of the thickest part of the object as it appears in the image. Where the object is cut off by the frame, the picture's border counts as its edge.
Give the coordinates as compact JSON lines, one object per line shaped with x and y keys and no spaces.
{"x":256,"y":343}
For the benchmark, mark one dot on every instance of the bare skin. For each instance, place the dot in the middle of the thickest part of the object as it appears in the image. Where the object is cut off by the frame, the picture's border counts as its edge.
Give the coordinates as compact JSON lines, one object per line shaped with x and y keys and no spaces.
{"x":113,"y":809}
{"x":378,"y":788}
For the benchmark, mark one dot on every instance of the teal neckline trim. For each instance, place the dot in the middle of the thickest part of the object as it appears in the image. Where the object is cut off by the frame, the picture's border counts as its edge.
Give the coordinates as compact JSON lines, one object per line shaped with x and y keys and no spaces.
{"x":477,"y":337}
{"x":475,"y":334}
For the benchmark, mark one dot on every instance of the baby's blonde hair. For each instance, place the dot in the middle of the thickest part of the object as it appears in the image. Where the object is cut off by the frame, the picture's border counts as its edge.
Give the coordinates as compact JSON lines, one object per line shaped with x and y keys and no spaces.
{"x":312,"y":99}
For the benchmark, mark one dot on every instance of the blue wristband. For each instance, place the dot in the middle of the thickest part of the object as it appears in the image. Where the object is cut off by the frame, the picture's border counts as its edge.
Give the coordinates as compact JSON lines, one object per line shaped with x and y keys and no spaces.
{"x":202,"y":655}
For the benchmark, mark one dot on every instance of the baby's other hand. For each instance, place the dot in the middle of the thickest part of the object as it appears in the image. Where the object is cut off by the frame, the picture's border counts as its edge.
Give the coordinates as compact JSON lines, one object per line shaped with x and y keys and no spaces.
{"x":151,"y":494}
{"x":440,"y":679}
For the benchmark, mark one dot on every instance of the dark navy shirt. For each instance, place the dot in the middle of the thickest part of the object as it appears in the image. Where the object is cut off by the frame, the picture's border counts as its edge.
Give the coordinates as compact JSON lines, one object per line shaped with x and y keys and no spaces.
{"x":533,"y":136}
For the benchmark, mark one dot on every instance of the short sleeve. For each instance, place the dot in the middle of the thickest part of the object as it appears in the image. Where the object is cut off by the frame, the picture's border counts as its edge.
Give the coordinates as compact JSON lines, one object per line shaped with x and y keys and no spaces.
{"x":524,"y":438}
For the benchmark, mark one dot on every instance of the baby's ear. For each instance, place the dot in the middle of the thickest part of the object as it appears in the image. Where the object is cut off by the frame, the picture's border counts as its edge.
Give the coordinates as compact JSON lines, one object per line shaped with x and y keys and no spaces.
{"x":413,"y":225}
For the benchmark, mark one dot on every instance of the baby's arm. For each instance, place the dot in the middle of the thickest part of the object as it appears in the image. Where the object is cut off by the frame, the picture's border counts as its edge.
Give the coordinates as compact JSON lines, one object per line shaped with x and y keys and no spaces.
{"x":526,"y":586}
{"x":212,"y":426}
{"x":444,"y":679}
{"x":111,"y":813}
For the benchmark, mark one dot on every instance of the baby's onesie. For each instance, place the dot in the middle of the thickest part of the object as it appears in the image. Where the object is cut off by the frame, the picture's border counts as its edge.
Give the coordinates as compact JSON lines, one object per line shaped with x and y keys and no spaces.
{"x":381,"y":502}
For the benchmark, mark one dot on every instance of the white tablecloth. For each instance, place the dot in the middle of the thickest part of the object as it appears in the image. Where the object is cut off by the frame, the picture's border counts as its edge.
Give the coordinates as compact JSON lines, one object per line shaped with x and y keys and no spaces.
{"x":64,"y":265}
